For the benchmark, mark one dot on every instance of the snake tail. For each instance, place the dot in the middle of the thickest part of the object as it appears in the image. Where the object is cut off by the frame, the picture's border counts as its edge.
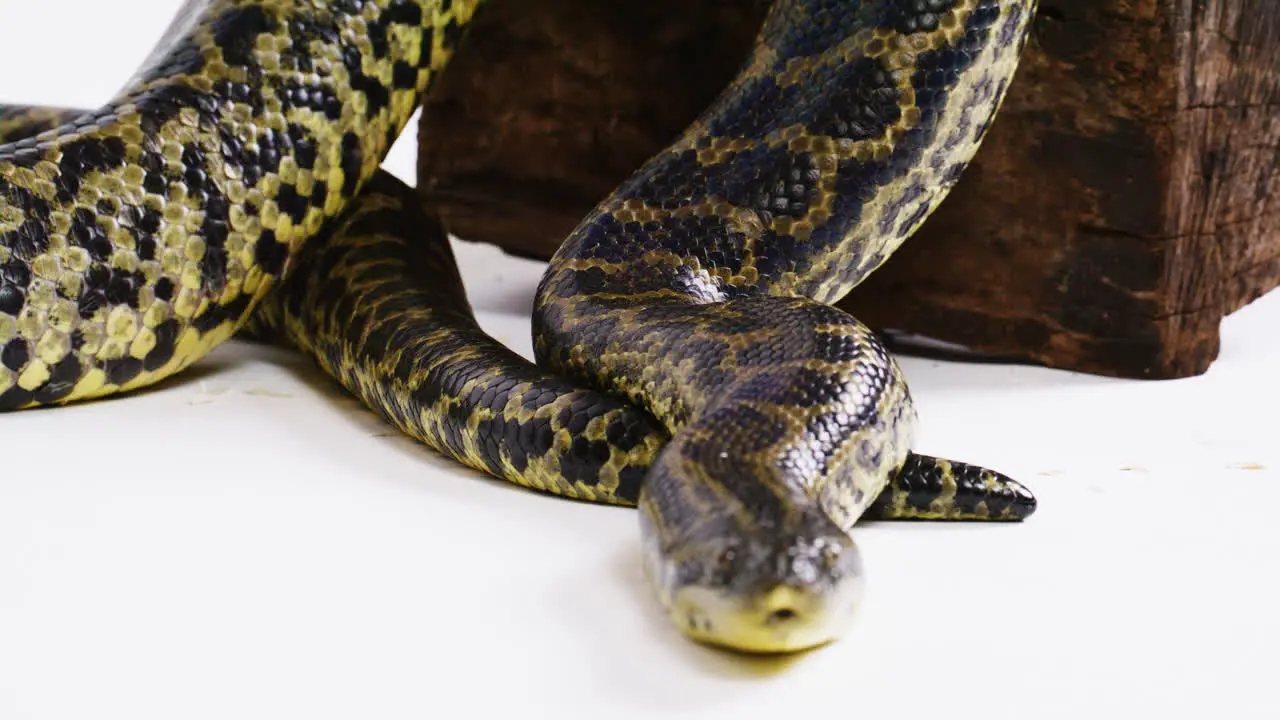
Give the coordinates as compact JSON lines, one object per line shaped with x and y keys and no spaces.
{"x":929,"y":488}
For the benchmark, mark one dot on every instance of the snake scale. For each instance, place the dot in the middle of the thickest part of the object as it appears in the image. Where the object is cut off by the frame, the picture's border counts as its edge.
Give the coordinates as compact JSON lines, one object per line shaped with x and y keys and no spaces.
{"x":688,"y":359}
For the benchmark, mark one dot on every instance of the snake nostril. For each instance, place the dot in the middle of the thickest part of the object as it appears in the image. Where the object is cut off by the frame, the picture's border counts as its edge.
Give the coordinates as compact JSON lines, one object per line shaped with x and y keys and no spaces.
{"x":781,"y":615}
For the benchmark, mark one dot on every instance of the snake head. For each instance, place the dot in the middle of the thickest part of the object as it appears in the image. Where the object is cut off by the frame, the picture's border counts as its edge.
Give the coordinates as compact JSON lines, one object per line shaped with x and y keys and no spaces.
{"x":760,"y":589}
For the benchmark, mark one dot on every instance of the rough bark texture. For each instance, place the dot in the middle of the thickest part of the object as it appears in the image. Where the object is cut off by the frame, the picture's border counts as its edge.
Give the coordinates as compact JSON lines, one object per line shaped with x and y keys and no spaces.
{"x":551,"y":103}
{"x":1127,"y":198}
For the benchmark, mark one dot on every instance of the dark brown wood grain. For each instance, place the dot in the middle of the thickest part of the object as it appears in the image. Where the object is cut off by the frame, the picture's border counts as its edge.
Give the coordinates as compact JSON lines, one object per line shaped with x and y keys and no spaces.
{"x":551,"y":103}
{"x":1127,"y":198}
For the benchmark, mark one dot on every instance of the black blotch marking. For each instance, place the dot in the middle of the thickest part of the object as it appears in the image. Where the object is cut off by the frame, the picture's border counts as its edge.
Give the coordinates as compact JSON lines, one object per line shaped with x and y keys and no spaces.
{"x":293,"y":204}
{"x":915,"y":16}
{"x":269,"y":253}
{"x":122,"y":370}
{"x":860,"y":104}
{"x":921,"y":480}
{"x":376,"y":95}
{"x":773,"y":181}
{"x":164,"y":289}
{"x":146,"y":247}
{"x":799,"y":387}
{"x":97,"y":276}
{"x":216,"y":315}
{"x":90,"y":302}
{"x":166,"y":337}
{"x":32,"y":236}
{"x":122,"y":289}
{"x":81,"y":157}
{"x":15,"y":273}
{"x":404,"y":76}
{"x":14,"y":398}
{"x":15,"y":354}
{"x":376,"y":32}
{"x":304,"y":150}
{"x":408,"y":13}
{"x":452,"y":33}
{"x":352,"y":163}
{"x":213,"y":268}
{"x":11,"y":299}
{"x":62,"y":380}
{"x":236,"y":32}
{"x":630,"y":480}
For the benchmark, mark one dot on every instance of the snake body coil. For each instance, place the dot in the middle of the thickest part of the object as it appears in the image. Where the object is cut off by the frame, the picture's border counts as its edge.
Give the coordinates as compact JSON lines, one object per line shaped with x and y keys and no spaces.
{"x":233,"y":182}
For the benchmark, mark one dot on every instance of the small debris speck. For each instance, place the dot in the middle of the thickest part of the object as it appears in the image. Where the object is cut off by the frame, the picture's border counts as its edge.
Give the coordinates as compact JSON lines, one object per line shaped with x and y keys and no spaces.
{"x":259,"y":392}
{"x":1248,"y":466}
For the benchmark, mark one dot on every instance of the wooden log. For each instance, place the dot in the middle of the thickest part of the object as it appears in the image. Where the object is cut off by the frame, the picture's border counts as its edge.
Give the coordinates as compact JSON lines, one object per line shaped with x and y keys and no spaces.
{"x":1123,"y":203}
{"x":1126,"y":199}
{"x":549,"y":104}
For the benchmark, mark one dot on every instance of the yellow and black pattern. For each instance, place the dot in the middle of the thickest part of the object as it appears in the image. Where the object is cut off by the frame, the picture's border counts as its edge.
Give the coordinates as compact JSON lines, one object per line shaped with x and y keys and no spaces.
{"x":929,"y":488}
{"x":140,"y":236}
{"x":381,"y":307}
{"x":379,"y":304}
{"x":18,"y":122}
{"x":376,"y":299}
{"x":698,"y":290}
{"x":699,"y":372}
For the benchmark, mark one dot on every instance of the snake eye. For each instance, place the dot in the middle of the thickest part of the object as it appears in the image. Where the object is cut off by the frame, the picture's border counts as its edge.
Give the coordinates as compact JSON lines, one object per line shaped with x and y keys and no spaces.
{"x":830,"y":555}
{"x":726,"y":558}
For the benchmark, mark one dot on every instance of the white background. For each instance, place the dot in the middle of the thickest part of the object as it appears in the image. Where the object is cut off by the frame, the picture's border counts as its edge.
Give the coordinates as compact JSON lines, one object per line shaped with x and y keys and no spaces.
{"x":245,"y":542}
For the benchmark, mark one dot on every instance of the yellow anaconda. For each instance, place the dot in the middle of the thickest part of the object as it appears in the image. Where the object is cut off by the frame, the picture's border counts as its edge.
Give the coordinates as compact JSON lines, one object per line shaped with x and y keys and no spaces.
{"x":688,"y":361}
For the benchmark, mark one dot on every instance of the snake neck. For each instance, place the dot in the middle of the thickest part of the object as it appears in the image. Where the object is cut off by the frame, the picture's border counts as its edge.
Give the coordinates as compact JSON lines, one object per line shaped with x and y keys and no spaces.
{"x":774,"y":403}
{"x":699,"y":284}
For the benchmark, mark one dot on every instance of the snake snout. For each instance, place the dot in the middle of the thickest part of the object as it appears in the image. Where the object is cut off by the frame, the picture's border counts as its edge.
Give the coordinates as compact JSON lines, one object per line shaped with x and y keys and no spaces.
{"x":772,"y":597}
{"x":785,"y":619}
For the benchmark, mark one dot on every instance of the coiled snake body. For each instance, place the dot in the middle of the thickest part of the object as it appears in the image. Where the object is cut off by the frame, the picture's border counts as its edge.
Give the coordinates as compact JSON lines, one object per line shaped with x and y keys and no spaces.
{"x":688,"y":361}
